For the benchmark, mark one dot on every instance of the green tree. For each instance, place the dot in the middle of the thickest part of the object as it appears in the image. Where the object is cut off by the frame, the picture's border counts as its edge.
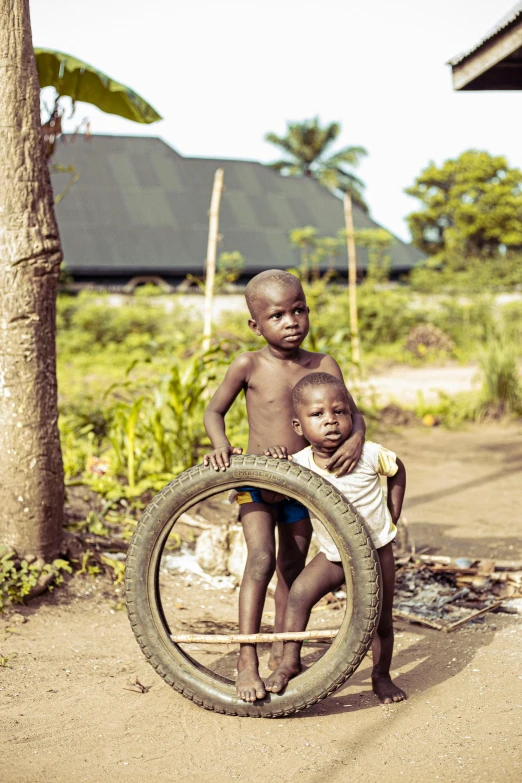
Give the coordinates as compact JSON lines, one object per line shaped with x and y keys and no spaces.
{"x":471,"y":209}
{"x":378,"y":243}
{"x":305,"y":239}
{"x":306,"y":147}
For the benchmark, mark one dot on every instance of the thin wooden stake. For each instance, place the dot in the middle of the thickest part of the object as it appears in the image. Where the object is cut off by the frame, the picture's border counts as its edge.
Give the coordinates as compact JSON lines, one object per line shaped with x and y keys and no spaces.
{"x":210,"y":266}
{"x":352,"y":281}
{"x":251,"y":638}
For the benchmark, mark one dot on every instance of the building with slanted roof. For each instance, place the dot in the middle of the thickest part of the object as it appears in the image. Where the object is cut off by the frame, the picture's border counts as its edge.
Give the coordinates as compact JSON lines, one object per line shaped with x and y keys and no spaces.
{"x":495,"y":63}
{"x":141,"y":209}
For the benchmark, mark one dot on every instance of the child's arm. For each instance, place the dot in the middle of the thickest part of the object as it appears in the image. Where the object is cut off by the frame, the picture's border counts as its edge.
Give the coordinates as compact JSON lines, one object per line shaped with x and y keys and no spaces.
{"x":347,"y":455}
{"x":396,"y":490}
{"x":214,"y":418}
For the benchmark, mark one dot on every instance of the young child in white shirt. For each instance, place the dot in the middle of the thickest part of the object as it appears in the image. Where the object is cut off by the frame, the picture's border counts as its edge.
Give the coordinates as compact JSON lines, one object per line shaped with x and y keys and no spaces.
{"x":322,"y":415}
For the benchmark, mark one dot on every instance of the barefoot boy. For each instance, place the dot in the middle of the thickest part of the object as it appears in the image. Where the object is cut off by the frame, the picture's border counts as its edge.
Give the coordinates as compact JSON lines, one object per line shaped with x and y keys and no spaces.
{"x":279,"y":313}
{"x":322,"y":415}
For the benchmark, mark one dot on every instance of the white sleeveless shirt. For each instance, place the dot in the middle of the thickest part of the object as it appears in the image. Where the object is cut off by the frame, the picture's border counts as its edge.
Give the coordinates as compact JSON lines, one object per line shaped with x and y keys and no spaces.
{"x":363,"y":489}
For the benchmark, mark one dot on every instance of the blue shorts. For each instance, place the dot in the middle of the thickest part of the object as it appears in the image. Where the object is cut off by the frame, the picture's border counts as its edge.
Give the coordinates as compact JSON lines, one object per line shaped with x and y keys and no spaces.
{"x":287,"y":510}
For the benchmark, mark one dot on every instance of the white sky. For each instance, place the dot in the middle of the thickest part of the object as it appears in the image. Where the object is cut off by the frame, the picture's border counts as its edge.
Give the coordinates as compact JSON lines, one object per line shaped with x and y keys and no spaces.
{"x":224,"y":73}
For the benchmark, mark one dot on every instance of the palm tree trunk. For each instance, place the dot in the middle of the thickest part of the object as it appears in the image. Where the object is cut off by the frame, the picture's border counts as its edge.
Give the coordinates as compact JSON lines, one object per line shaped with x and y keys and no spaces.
{"x":31,"y":471}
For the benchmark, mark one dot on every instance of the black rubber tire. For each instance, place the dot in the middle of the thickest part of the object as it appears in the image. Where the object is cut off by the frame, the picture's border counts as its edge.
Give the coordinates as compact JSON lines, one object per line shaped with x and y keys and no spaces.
{"x":359,"y":559}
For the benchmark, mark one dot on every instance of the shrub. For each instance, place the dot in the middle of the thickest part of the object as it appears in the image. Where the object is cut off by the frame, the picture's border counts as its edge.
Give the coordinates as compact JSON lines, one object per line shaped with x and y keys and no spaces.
{"x":501,"y":391}
{"x":425,"y":340}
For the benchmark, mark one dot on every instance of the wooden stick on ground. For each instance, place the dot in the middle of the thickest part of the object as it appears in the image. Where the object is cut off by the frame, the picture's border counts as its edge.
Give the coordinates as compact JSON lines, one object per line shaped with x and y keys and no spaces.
{"x":251,"y":638}
{"x":465,"y":620}
{"x":417,"y":618}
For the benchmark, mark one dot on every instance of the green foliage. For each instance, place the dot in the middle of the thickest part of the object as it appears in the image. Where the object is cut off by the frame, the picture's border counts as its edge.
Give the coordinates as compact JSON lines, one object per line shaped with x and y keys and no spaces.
{"x":131,"y":415}
{"x":472,"y":207}
{"x":319,"y":253}
{"x":473,"y":276}
{"x":501,"y":392}
{"x":147,"y":290}
{"x":88,"y":564}
{"x":18,"y":578}
{"x":511,"y":322}
{"x":98,"y":325}
{"x":122,"y":434}
{"x":229,"y":268}
{"x":116,"y":567}
{"x":378,"y":242}
{"x":305,"y":147}
{"x":5,"y":660}
{"x":153,"y":429}
{"x":81,"y":82}
{"x":470,"y":224}
{"x":450,"y":411}
{"x":93,"y":523}
{"x":315,"y":251}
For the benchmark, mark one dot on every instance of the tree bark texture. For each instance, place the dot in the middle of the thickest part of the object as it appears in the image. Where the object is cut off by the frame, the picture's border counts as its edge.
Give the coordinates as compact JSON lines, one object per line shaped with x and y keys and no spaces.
{"x":31,"y":470}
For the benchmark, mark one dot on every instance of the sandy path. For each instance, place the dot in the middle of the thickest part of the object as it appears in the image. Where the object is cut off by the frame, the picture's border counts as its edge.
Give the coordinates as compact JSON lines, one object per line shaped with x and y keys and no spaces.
{"x":403,"y":384}
{"x":65,"y":715}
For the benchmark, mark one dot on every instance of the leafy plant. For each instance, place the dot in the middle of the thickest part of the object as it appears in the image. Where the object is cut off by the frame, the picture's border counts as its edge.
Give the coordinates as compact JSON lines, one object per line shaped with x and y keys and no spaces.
{"x":501,"y":391}
{"x":18,"y":578}
{"x":117,"y":568}
{"x":122,"y":434}
{"x":5,"y":660}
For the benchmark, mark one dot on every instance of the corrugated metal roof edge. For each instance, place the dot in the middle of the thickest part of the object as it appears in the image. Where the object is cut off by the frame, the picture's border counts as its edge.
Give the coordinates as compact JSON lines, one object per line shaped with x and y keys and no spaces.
{"x":506,"y":21}
{"x":265,"y":166}
{"x":149,"y":137}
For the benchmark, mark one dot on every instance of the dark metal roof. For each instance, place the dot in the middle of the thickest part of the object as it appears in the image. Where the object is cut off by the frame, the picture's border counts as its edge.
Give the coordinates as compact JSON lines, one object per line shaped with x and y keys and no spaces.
{"x":141,"y":208}
{"x":506,"y":21}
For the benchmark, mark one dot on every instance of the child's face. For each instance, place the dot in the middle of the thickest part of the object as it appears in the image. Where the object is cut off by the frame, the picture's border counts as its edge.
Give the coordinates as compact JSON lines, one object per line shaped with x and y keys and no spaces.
{"x":281,"y":317}
{"x":324,"y":417}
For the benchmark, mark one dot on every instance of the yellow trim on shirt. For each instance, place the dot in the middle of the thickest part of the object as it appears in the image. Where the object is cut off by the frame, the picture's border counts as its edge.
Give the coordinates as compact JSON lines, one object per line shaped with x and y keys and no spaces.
{"x":387,"y":462}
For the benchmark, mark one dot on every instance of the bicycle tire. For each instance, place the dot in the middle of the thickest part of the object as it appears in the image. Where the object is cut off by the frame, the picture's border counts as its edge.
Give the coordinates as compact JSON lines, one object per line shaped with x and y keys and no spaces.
{"x":359,"y":559}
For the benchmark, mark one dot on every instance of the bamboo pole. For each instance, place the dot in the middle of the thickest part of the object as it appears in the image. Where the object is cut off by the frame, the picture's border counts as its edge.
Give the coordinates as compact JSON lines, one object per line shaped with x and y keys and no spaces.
{"x":252,"y":638}
{"x":352,"y":280}
{"x":210,"y":266}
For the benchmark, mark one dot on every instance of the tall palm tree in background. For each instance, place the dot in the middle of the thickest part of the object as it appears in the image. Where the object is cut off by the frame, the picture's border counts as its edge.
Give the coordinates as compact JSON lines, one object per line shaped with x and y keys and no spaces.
{"x":306,"y":145}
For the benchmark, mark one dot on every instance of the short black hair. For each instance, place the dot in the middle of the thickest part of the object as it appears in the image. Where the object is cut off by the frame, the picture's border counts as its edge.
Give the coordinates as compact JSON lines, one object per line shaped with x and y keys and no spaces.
{"x":256,"y":288}
{"x":315,"y":379}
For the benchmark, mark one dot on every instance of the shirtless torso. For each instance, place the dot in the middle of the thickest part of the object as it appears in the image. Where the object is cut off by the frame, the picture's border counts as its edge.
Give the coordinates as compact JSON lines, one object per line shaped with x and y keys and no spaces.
{"x":267,"y":378}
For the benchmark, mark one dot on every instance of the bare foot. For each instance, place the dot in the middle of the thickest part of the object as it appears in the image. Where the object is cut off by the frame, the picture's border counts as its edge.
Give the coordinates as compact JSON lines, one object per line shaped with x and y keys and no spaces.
{"x":276,"y":655}
{"x":386,"y":690}
{"x":249,"y":685}
{"x":279,"y":679}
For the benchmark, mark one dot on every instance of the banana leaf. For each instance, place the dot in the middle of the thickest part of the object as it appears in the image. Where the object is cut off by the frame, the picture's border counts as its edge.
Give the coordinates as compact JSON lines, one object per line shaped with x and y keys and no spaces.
{"x":82,"y":82}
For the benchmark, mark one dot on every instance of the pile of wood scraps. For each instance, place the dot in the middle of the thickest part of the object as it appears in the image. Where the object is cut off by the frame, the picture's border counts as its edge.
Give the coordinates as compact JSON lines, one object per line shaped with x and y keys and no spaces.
{"x":445,"y":593}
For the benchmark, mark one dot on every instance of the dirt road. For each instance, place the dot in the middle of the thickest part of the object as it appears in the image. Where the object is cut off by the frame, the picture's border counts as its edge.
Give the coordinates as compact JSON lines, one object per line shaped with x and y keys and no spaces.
{"x":66,"y":713}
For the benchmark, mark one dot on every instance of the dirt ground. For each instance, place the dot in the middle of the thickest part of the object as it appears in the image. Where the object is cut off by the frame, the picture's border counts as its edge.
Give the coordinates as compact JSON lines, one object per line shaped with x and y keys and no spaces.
{"x":68,"y":711}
